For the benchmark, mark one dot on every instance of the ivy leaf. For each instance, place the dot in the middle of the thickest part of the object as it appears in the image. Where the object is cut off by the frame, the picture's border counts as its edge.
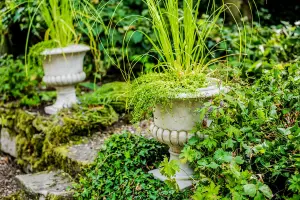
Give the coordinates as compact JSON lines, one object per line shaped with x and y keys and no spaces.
{"x":193,"y":141}
{"x":127,"y":154}
{"x":169,"y":169}
{"x":222,"y":156}
{"x":229,"y":143}
{"x":231,"y":130}
{"x":209,"y":143}
{"x":172,"y":184}
{"x":202,"y":113}
{"x":250,"y":190}
{"x":238,"y":160}
{"x":259,"y":196}
{"x":295,"y":183}
{"x":246,"y":129}
{"x":261,"y":114}
{"x":202,"y":163}
{"x":213,"y":165}
{"x":266,"y":191}
{"x":187,"y":154}
{"x":137,"y":37}
{"x":284,"y":131}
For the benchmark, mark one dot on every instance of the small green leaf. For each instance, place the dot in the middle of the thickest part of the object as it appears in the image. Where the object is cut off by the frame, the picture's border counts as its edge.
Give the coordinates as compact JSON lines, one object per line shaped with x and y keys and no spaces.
{"x":238,"y":160}
{"x":266,"y":191}
{"x":250,"y":190}
{"x":127,"y":154}
{"x":259,"y":196}
{"x":137,"y":37}
{"x":187,"y":154}
{"x":213,"y":165}
{"x":169,"y":169}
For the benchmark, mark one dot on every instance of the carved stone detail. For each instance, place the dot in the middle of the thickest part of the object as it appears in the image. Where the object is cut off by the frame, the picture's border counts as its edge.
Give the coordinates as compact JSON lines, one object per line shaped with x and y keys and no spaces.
{"x":68,"y":79}
{"x":171,"y":138}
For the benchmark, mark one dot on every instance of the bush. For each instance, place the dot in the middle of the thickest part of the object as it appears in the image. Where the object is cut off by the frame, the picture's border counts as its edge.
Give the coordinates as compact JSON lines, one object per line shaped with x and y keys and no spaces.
{"x":120,"y":171}
{"x":17,"y":85}
{"x":252,"y":149}
{"x":114,"y":94}
{"x":263,"y":47}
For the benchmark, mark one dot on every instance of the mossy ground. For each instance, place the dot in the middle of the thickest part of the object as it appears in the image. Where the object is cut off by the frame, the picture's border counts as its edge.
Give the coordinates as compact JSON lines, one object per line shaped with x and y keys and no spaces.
{"x":38,"y":135}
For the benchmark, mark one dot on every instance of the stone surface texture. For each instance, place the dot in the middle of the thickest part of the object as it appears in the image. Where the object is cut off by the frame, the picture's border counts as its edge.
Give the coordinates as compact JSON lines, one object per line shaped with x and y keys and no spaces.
{"x":8,"y":143}
{"x":86,"y":152}
{"x":173,"y":124}
{"x":63,"y":68}
{"x":44,"y":185}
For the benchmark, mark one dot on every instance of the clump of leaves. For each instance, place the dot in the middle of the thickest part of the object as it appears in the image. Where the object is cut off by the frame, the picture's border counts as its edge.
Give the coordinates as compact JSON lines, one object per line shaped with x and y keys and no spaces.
{"x":114,"y":94}
{"x":17,"y":85}
{"x":252,"y":145}
{"x":267,"y":46}
{"x":120,"y":171}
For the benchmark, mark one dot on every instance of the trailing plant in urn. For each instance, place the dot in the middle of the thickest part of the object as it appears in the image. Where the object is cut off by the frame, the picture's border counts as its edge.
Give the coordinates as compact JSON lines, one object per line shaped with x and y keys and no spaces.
{"x":180,"y":82}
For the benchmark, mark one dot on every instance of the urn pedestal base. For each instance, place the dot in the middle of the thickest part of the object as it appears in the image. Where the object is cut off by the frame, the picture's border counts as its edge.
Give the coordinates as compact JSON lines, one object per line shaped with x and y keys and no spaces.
{"x":182,"y":184}
{"x":184,"y":177}
{"x":66,"y":97}
{"x":176,"y":141}
{"x":173,"y":126}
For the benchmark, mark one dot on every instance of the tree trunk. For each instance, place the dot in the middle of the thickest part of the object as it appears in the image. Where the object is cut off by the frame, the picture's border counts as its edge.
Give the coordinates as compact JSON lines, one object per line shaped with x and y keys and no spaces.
{"x":3,"y":45}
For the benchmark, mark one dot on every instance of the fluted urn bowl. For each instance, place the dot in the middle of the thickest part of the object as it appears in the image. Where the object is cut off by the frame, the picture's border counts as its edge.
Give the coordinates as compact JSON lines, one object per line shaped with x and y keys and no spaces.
{"x":173,"y":124}
{"x":63,"y":68}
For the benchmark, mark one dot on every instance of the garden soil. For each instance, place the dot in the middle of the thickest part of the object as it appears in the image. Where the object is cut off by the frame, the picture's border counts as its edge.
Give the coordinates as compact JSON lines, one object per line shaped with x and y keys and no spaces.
{"x":8,"y":171}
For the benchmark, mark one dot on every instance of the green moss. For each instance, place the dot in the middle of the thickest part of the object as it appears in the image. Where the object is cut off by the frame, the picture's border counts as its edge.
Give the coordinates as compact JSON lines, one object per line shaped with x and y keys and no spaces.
{"x":19,"y":195}
{"x":55,"y":197}
{"x":60,"y":158}
{"x":158,"y":88}
{"x":38,"y":135}
{"x":34,"y":56}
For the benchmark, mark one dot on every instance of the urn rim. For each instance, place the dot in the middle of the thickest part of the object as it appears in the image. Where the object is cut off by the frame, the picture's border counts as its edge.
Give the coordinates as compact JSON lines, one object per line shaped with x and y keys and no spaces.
{"x":73,"y":48}
{"x":213,"y":88}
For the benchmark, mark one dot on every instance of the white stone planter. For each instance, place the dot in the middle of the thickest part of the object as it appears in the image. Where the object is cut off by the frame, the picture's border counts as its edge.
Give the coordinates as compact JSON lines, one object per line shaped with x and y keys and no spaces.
{"x":173,"y":124}
{"x":63,"y":68}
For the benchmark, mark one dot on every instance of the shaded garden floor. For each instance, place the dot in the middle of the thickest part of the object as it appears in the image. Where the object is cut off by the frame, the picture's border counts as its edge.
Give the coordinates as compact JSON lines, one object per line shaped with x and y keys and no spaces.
{"x":8,"y":171}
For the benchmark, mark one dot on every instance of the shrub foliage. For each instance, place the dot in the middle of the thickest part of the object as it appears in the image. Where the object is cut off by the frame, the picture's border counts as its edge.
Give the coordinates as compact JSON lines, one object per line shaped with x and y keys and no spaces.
{"x":120,"y":171}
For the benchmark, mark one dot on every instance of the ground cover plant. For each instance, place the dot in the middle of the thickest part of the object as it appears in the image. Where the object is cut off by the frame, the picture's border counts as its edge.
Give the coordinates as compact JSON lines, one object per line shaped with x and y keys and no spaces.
{"x":20,"y":87}
{"x":252,"y":148}
{"x":120,"y":171}
{"x":267,"y":46}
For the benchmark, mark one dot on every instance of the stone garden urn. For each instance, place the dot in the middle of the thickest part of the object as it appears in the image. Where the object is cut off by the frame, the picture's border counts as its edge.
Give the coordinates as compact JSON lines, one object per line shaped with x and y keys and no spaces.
{"x":63,"y":69}
{"x":173,"y":124}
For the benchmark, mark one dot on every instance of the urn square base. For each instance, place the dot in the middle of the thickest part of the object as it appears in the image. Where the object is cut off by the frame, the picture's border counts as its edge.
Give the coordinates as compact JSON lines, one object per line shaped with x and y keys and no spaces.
{"x":183,"y":184}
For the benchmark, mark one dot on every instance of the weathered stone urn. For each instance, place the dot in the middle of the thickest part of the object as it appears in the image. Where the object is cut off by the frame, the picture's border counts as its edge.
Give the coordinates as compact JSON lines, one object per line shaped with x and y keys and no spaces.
{"x":173,"y":124}
{"x":63,"y":69}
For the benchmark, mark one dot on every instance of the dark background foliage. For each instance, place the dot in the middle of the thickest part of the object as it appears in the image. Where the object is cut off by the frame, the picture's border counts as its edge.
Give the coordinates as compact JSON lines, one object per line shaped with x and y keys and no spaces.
{"x":121,"y":19}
